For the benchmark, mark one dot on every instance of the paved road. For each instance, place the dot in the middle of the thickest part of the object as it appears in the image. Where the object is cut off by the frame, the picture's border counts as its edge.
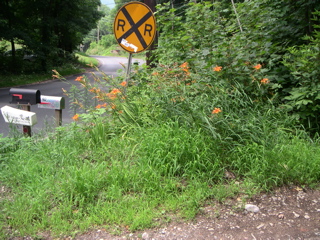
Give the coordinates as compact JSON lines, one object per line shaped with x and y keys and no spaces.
{"x":108,"y":65}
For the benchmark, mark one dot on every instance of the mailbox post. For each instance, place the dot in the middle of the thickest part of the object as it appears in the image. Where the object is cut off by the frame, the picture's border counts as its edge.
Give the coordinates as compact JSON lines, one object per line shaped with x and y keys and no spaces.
{"x":26,"y":129}
{"x":56,"y":103}
{"x":25,"y":98}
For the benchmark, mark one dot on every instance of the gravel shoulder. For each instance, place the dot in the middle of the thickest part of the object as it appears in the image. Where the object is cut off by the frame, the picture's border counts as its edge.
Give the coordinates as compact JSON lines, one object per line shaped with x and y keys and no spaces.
{"x":287,"y":213}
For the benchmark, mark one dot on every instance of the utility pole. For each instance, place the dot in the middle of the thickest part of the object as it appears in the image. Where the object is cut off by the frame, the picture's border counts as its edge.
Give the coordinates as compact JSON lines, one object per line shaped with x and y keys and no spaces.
{"x":98,"y":29}
{"x":149,"y":57}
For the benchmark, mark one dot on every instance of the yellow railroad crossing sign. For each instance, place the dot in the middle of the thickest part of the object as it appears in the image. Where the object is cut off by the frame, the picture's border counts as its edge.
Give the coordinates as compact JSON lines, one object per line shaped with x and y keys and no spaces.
{"x":134,"y":27}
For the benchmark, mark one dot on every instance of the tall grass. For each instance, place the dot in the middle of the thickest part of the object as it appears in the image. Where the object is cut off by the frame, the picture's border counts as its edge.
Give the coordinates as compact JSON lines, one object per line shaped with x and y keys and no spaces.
{"x":68,"y":184}
{"x":140,"y":176}
{"x":291,"y":160}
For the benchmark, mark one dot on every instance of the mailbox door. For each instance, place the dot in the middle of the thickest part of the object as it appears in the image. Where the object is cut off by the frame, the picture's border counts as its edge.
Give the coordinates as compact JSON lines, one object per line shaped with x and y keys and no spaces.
{"x":25,"y":96}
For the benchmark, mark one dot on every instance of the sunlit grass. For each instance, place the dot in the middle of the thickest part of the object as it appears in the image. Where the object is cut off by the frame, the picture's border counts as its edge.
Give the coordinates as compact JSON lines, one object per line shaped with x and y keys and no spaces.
{"x":10,"y":80}
{"x":71,"y":181}
{"x":87,"y":60}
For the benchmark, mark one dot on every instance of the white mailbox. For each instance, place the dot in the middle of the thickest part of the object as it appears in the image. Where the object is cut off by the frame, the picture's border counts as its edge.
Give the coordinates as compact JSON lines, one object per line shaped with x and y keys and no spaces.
{"x":52,"y":102}
{"x":17,"y":116}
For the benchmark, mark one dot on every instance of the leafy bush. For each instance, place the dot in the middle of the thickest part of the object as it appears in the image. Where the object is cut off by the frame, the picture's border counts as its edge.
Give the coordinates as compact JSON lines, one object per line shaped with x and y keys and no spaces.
{"x":304,"y":96}
{"x":108,"y":40}
{"x":266,"y":33}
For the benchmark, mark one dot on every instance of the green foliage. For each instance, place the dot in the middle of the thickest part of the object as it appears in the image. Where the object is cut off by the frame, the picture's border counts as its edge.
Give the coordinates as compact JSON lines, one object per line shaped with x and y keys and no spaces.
{"x":278,"y":165}
{"x":60,"y":187}
{"x":108,"y":40}
{"x":51,"y":29}
{"x":174,"y":150}
{"x":304,"y":95}
{"x":106,"y":47}
{"x":85,"y":60}
{"x":264,"y":39}
{"x":10,"y":79}
{"x":214,"y":43}
{"x":103,"y":28}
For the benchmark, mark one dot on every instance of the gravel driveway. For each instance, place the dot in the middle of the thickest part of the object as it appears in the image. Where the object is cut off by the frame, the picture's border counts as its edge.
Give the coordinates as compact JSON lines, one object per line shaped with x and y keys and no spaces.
{"x":287,"y":213}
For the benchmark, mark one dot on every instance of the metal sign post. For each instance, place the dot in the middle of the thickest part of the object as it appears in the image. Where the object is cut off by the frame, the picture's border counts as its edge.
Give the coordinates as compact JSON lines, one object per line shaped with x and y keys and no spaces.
{"x":128,"y":69}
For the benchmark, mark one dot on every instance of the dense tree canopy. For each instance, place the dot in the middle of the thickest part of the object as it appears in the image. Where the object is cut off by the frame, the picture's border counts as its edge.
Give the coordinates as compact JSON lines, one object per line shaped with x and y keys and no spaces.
{"x":49,"y":28}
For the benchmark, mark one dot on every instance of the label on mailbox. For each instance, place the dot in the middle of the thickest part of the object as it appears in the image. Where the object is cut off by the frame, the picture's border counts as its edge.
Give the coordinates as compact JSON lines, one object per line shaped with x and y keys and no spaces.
{"x":17,"y":116}
{"x":52,"y":102}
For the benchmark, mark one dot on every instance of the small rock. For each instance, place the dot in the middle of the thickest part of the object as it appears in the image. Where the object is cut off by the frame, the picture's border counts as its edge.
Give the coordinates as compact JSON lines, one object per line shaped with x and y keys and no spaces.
{"x":281,"y":216}
{"x":145,"y":236}
{"x":260,"y":226}
{"x":306,"y":216}
{"x":301,"y":195}
{"x":296,"y":215}
{"x":252,"y":208}
{"x":229,"y":175}
{"x":274,"y":199}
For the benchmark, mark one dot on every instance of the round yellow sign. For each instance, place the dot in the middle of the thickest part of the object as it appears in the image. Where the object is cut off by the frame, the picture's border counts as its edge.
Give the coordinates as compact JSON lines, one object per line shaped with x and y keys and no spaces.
{"x":134,"y":27}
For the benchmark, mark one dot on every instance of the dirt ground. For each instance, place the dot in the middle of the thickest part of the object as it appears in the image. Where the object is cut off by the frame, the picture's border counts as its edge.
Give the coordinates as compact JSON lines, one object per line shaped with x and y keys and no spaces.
{"x":287,"y":213}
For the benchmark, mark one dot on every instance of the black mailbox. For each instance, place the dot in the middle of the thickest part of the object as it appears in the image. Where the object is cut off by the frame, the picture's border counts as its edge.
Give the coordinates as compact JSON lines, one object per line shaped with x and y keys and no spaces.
{"x":25,"y":96}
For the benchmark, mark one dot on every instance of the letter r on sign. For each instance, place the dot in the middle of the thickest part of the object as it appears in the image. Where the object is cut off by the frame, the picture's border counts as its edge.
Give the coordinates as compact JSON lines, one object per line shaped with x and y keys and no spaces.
{"x":147,"y":28}
{"x":121,"y":24}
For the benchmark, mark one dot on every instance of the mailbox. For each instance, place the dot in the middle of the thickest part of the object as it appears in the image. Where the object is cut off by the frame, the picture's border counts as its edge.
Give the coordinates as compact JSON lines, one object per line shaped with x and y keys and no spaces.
{"x":52,"y":102}
{"x":24,"y":96}
{"x":17,"y":116}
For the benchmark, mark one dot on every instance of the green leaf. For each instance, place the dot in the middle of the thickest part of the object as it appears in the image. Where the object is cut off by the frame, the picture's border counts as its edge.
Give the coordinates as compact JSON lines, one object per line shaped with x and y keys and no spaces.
{"x":304,"y":102}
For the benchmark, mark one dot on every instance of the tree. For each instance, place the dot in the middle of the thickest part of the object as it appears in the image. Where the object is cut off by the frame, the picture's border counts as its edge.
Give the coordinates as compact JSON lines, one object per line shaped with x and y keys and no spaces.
{"x":11,"y":26}
{"x":48,"y":27}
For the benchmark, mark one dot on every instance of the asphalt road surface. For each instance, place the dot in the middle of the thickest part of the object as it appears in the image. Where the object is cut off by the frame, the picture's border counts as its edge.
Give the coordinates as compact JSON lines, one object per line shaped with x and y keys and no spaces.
{"x":45,"y":117}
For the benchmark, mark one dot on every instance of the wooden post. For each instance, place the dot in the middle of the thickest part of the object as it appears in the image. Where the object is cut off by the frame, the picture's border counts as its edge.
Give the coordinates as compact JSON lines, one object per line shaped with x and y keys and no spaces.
{"x":58,"y":117}
{"x":26,"y":129}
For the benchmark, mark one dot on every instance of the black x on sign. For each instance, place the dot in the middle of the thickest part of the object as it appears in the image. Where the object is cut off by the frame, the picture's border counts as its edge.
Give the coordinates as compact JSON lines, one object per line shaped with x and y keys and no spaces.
{"x":135,"y":27}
